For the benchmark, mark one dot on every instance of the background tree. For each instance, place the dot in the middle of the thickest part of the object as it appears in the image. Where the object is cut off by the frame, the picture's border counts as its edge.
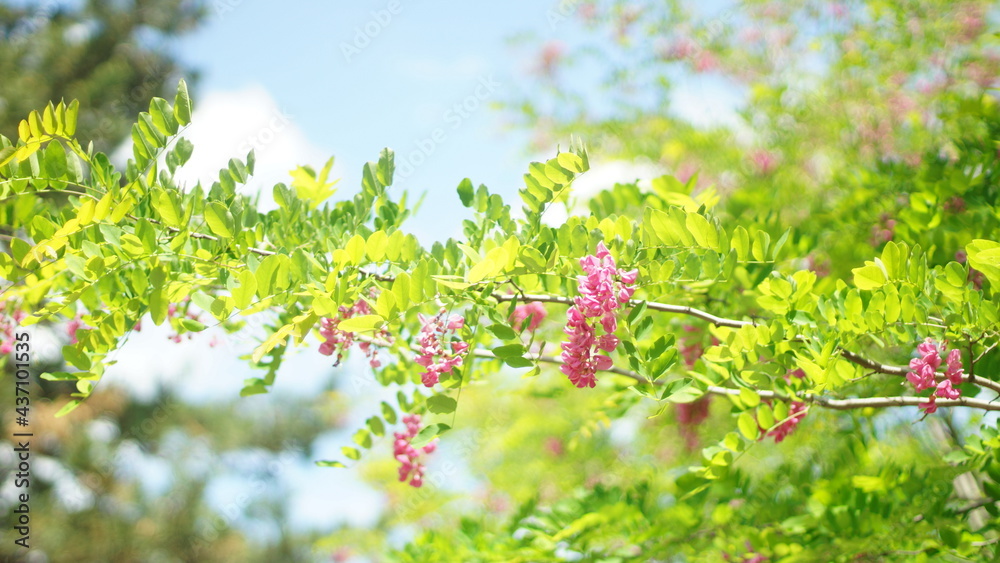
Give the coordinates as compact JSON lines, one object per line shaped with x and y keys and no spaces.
{"x":112,"y":56}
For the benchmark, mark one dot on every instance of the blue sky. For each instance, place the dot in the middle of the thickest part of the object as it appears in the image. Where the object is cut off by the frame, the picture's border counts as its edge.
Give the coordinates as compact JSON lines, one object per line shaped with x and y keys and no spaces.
{"x":356,"y":77}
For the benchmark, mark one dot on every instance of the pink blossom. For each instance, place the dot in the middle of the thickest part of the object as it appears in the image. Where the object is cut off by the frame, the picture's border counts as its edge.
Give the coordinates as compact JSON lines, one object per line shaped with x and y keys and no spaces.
{"x":554,"y":446}
{"x":923,"y":374}
{"x":339,"y":341}
{"x":603,"y":288}
{"x":71,"y":327}
{"x":680,"y":48}
{"x":432,"y":354}
{"x":764,"y":162}
{"x":954,"y":204}
{"x":534,"y":310}
{"x":930,"y":407}
{"x":8,"y":322}
{"x":690,"y":347}
{"x":689,"y":416}
{"x":796,"y":412}
{"x":946,"y":391}
{"x":410,"y":467}
{"x":955,"y":371}
{"x":706,"y":62}
{"x":552,"y":53}
{"x":883,"y":231}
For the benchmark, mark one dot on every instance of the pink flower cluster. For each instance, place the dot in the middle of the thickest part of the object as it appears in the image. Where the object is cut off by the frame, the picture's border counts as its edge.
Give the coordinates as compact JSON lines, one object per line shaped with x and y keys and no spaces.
{"x":339,"y":341}
{"x":883,"y":231}
{"x":763,"y":161}
{"x":690,"y":345}
{"x":603,"y":290}
{"x":8,"y":322}
{"x":434,"y":355}
{"x":534,"y":310}
{"x":408,"y":456}
{"x":796,"y":412}
{"x":689,"y":416}
{"x":924,"y":373}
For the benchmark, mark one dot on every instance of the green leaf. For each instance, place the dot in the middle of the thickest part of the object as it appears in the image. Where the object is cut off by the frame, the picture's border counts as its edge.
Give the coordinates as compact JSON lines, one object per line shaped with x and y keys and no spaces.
{"x":72,"y":110}
{"x":244,"y":293}
{"x":984,"y":255}
{"x":428,"y":433}
{"x":466,"y":192}
{"x":869,"y":277}
{"x":278,"y":337}
{"x":163,"y":116}
{"x":361,"y":323}
{"x":386,"y":167}
{"x":388,"y":413}
{"x":219,"y":219}
{"x":356,"y":249}
{"x":55,"y":160}
{"x":508,"y":351}
{"x":375,"y":426}
{"x":182,"y":104}
{"x":192,"y":325}
{"x":238,"y":170}
{"x":749,"y":398}
{"x":518,"y":362}
{"x":441,"y":404}
{"x":748,"y":426}
{"x":311,"y":187}
{"x":376,"y":245}
{"x":765,"y":416}
{"x":704,"y":232}
{"x":494,"y":262}
{"x":571,"y":162}
{"x":363,"y":438}
{"x":761,"y":242}
{"x":49,"y":119}
{"x":330,"y":464}
{"x":76,"y":357}
{"x":168,"y":206}
{"x":502,"y":331}
{"x":69,"y":407}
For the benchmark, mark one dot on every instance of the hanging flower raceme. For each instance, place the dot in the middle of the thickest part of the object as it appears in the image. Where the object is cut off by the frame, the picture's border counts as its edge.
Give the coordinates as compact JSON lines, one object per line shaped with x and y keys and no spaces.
{"x":339,"y":341}
{"x":410,"y":467}
{"x":603,"y":290}
{"x":924,"y":373}
{"x":534,"y":311}
{"x":439,"y":353}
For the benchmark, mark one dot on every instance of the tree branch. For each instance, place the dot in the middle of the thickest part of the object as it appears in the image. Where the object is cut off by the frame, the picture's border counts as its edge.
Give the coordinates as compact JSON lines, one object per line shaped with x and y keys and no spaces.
{"x":809,"y":398}
{"x":733,"y":323}
{"x":203,"y":236}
